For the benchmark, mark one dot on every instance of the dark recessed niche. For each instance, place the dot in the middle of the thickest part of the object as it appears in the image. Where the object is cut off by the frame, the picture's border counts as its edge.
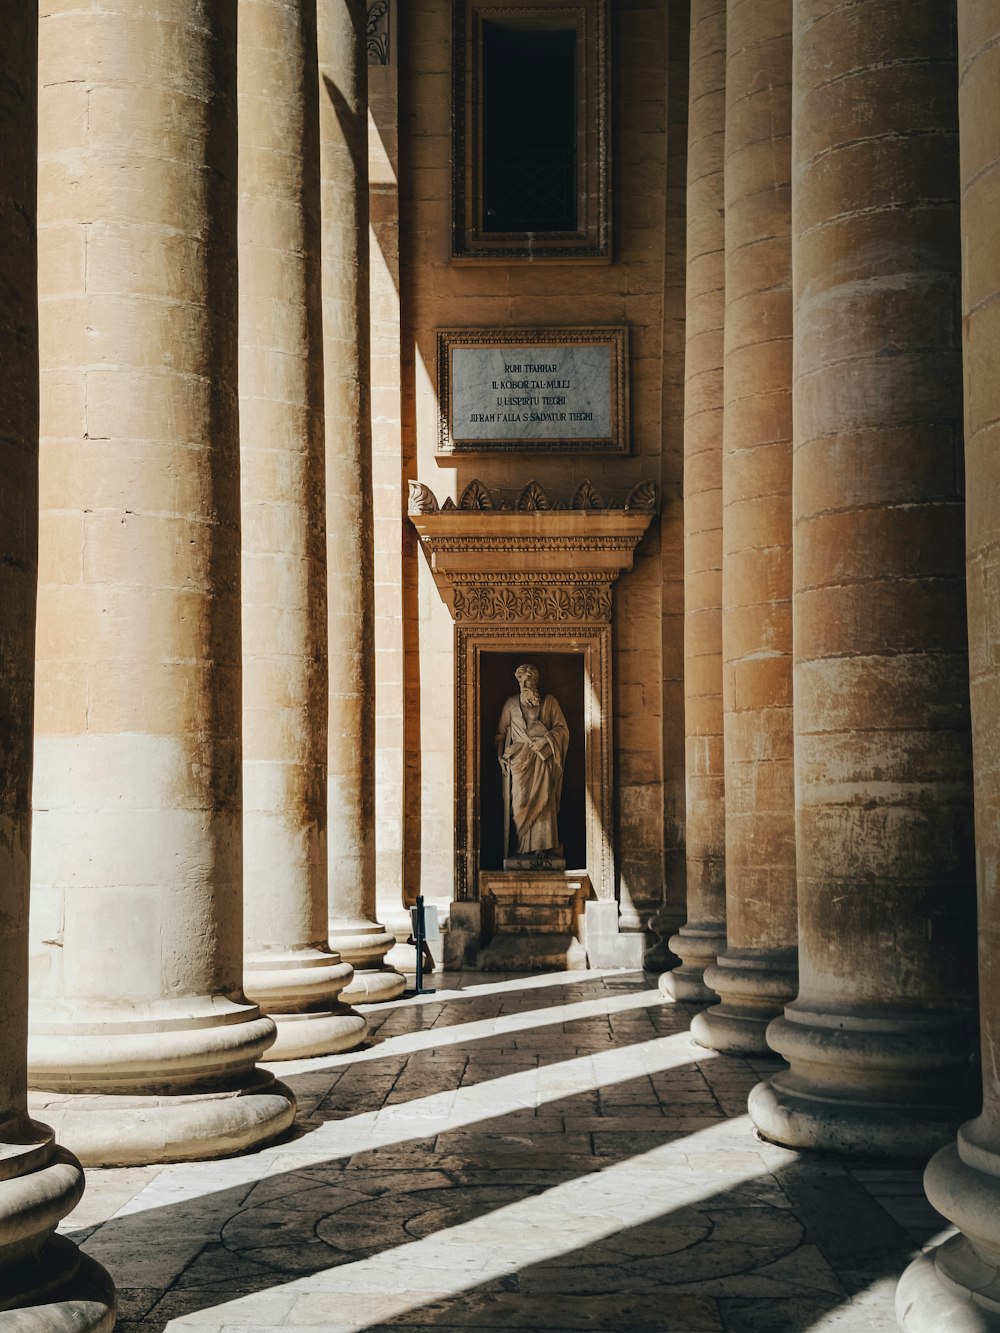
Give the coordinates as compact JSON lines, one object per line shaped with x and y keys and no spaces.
{"x":562,"y":675}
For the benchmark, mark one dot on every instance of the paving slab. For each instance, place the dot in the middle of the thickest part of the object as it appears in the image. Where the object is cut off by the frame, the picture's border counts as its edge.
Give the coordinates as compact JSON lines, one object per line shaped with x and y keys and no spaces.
{"x":551,"y":1153}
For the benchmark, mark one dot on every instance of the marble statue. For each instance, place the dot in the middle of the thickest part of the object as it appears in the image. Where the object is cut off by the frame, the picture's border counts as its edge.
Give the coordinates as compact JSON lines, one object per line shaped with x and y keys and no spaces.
{"x":531,"y":742}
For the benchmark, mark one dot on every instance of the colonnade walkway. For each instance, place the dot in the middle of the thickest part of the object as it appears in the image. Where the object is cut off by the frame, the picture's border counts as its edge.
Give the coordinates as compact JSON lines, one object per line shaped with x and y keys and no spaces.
{"x":548,"y":1153}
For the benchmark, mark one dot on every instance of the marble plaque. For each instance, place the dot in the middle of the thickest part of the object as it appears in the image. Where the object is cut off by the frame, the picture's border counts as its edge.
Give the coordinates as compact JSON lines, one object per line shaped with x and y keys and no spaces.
{"x":543,"y":389}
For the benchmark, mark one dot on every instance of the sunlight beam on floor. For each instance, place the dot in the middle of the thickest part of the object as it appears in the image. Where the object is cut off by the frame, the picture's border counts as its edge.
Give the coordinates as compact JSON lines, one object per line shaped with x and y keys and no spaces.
{"x":421,"y":1118}
{"x":455,"y":1034}
{"x":473,"y":989}
{"x":567,"y":1217}
{"x":457,"y":1108}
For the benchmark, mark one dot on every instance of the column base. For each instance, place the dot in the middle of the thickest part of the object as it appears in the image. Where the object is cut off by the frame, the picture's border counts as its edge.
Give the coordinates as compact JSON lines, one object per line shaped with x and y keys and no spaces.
{"x":754,"y":985}
{"x":300,"y":989}
{"x":45,"y":1282}
{"x":168,"y":1081}
{"x":119,"y":1129}
{"x":865,"y":1083}
{"x":697,"y":946}
{"x":160,"y":1046}
{"x":370,"y":985}
{"x":364,"y":945}
{"x":927,"y":1301}
{"x":302,"y":1036}
{"x":956,"y":1287}
{"x":73,"y":1294}
{"x":662,"y":925}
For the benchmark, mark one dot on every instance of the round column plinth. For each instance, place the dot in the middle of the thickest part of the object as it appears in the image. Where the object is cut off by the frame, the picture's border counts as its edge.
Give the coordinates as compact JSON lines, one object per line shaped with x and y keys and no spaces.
{"x":301,"y":1036}
{"x":882,"y":1084}
{"x":46,"y":1284}
{"x":66,"y":1292}
{"x":175,"y":1081}
{"x":364,"y":945}
{"x":955,"y":1288}
{"x":697,"y":948}
{"x":754,"y":988}
{"x":663,"y":924}
{"x":371,"y":985}
{"x":300,"y":990}
{"x":162,"y":1046}
{"x":119,"y":1129}
{"x":929,"y":1301}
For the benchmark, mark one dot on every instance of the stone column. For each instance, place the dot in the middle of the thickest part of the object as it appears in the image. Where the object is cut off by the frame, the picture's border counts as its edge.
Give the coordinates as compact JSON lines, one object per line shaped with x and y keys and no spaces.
{"x":137,"y":930}
{"x":956,"y":1288}
{"x":756,"y":976}
{"x":343,"y":128}
{"x":703,"y":936}
{"x":39,"y":1183}
{"x":290,"y":970}
{"x":673,"y":910}
{"x":879,"y":1038}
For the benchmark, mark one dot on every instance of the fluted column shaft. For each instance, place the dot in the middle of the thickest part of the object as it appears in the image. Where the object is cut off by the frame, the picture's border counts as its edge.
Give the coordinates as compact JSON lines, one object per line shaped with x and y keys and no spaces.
{"x":879,"y":1037}
{"x":956,"y":1288}
{"x":289,"y":968}
{"x":39,"y":1183}
{"x":703,"y":936}
{"x":137,"y":880}
{"x":756,"y":976}
{"x":343,"y":122}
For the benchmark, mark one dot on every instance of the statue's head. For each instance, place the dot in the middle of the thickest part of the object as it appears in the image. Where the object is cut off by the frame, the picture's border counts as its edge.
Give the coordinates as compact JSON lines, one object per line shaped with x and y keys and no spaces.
{"x":526,"y":676}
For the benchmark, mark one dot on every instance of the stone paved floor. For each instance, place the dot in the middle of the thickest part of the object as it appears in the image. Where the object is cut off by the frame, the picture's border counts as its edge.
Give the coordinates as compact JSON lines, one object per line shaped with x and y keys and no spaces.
{"x":550,"y":1153}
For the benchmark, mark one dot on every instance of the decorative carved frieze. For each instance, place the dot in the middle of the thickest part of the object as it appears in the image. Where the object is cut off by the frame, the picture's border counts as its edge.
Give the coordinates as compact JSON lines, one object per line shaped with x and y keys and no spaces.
{"x":522,"y":558}
{"x":580,"y":599}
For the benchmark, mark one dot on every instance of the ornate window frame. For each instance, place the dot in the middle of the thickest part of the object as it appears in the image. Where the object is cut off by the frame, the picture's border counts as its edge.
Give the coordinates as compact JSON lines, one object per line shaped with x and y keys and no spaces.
{"x":591,"y":241}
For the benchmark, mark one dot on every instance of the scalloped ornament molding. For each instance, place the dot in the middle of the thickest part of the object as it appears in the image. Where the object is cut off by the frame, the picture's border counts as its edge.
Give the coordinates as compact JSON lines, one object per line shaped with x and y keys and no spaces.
{"x":523,"y":558}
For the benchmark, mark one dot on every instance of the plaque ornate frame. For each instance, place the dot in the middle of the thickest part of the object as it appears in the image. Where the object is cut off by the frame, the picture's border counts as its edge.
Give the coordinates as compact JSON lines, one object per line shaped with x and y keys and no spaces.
{"x":591,"y":243}
{"x":535,"y":577}
{"x":616,"y":338}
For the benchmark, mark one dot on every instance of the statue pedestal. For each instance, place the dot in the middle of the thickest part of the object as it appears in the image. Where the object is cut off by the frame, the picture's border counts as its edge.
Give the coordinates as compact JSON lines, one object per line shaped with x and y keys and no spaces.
{"x":533,"y":920}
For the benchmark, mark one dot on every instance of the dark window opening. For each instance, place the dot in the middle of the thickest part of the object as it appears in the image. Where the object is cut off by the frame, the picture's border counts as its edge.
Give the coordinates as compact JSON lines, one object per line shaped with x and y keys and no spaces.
{"x":529,"y":129}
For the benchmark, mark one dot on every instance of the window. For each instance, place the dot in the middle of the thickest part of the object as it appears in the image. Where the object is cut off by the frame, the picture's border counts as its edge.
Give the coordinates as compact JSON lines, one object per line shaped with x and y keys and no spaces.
{"x":531,"y":131}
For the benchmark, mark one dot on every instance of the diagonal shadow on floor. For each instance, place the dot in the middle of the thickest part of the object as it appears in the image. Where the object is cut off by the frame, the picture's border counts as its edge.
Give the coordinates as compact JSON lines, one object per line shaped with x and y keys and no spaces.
{"x":394,"y":1072}
{"x":395,"y":1227}
{"x":792,"y":1250}
{"x":414,"y":1014}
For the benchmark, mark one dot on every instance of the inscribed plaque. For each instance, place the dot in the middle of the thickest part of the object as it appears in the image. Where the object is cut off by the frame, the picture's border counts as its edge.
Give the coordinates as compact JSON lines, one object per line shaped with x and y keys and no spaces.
{"x":542,"y":389}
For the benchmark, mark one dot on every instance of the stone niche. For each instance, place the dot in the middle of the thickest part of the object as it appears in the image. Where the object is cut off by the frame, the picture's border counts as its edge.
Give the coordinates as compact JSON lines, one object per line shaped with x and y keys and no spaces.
{"x":529,"y":578}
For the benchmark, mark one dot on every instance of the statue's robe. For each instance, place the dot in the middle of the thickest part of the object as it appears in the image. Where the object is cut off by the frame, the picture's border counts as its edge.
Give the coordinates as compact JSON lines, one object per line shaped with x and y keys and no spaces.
{"x":536,"y":777}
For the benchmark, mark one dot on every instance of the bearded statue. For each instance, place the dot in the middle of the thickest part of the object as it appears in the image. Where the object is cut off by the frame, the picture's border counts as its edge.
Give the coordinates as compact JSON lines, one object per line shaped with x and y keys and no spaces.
{"x":532,"y":739}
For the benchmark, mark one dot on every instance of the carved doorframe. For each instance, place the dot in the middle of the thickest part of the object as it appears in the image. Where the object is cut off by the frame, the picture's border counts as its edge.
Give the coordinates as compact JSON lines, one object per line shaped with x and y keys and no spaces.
{"x":528,"y":574}
{"x":593,"y":643}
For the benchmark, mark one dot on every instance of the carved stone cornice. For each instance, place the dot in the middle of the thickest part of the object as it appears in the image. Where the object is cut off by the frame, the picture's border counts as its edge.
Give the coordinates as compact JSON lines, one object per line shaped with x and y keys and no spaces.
{"x":533,"y":562}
